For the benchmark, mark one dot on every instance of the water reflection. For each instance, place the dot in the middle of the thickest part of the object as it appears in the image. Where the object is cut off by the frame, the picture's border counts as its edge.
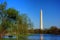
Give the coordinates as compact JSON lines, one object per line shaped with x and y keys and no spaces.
{"x":36,"y":37}
{"x":15,"y":38}
{"x":44,"y":37}
{"x":55,"y":37}
{"x":41,"y":36}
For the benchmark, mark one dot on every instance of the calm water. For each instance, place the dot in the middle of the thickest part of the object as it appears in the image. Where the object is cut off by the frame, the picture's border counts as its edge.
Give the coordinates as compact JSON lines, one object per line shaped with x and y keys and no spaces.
{"x":45,"y":37}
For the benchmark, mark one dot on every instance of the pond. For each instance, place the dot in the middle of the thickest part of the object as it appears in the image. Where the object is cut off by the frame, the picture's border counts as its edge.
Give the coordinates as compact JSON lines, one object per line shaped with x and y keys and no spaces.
{"x":45,"y":37}
{"x":38,"y":37}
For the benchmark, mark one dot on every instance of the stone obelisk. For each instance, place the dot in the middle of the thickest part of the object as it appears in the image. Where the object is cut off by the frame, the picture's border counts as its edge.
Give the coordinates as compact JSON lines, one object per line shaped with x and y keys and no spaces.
{"x":41,"y":20}
{"x":41,"y":25}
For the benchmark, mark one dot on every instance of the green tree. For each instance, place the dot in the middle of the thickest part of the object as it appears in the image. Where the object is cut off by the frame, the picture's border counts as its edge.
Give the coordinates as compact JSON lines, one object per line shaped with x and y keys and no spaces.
{"x":2,"y":11}
{"x":53,"y":29}
{"x":12,"y":13}
{"x":12,"y":21}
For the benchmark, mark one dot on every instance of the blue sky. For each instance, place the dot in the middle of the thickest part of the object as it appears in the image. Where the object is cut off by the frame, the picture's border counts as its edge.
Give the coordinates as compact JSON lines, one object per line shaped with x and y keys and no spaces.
{"x":50,"y":8}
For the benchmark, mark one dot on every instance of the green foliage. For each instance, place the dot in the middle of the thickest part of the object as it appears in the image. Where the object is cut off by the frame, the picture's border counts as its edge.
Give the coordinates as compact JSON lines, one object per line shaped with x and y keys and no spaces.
{"x":12,"y":13}
{"x":0,"y":28}
{"x":52,"y":30}
{"x":3,"y":6}
{"x":13,"y":22}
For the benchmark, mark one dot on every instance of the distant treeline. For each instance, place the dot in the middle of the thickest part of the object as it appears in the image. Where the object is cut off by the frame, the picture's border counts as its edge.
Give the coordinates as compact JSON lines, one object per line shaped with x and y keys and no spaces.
{"x":51,"y":30}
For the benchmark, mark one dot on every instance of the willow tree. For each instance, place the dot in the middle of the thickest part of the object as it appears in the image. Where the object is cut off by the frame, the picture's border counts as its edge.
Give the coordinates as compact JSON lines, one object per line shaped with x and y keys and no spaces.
{"x":25,"y":23}
{"x":7,"y":17}
{"x":13,"y":21}
{"x":22,"y":24}
{"x":2,"y":12}
{"x":30,"y":26}
{"x":12,"y":13}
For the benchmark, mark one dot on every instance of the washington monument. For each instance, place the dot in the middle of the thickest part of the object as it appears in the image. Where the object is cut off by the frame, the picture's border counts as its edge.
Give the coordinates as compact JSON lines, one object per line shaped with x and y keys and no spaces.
{"x":41,"y":20}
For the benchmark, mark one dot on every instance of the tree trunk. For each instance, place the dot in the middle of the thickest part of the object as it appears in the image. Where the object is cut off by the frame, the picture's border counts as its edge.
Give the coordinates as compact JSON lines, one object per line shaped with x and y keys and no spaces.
{"x":1,"y":36}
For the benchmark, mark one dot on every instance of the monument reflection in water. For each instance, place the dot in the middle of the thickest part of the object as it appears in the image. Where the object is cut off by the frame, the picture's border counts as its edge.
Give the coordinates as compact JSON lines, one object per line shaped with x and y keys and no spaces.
{"x":41,"y":36}
{"x":41,"y":25}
